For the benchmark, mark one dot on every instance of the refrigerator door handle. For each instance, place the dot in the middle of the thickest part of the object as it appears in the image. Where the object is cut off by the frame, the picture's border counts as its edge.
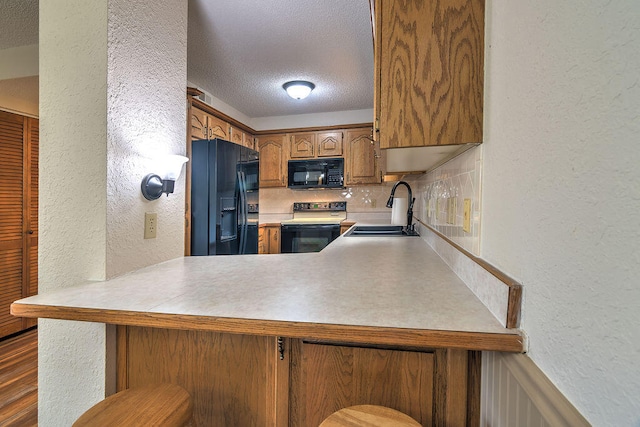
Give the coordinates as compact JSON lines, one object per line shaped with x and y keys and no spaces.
{"x":245,"y":211}
{"x":242,"y":213}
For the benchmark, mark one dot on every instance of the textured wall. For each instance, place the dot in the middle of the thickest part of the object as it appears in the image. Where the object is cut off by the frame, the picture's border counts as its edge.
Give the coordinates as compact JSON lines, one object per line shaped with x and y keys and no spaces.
{"x":112,"y":83}
{"x":20,"y":95}
{"x":146,"y":119}
{"x":561,"y":190}
{"x":72,"y":205}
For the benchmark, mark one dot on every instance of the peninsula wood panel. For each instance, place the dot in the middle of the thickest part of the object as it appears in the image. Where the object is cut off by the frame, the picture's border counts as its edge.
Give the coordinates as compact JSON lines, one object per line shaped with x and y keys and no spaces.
{"x":430,"y":71}
{"x":326,"y":378}
{"x":230,"y":377}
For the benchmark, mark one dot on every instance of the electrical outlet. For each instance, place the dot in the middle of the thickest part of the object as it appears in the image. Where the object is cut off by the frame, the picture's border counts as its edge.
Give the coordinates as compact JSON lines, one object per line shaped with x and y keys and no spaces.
{"x":150,"y":225}
{"x":373,"y":203}
{"x":466,"y":224}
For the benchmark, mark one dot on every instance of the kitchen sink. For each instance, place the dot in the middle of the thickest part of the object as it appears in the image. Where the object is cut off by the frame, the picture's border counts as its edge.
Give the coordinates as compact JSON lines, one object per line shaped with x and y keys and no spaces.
{"x":378,"y":230}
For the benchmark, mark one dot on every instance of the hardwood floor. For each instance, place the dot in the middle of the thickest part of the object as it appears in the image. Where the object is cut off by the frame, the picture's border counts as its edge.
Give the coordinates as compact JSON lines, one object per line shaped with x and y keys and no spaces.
{"x":19,"y":380}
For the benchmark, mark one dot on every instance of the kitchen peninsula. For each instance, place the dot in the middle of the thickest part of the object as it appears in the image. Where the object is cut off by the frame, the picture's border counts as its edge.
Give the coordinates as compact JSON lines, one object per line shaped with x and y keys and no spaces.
{"x":287,"y":339}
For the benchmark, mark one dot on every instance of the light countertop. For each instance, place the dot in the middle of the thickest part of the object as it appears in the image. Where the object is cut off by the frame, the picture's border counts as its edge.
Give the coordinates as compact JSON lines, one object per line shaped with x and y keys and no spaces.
{"x":379,"y":290}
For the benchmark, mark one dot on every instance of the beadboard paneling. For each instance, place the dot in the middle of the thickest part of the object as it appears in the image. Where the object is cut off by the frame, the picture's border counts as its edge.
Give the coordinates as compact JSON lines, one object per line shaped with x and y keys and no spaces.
{"x":515,"y":392}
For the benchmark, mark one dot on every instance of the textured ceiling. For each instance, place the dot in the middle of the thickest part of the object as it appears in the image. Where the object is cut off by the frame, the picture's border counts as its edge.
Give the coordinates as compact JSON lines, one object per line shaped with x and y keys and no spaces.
{"x":18,"y":23}
{"x":242,"y":51}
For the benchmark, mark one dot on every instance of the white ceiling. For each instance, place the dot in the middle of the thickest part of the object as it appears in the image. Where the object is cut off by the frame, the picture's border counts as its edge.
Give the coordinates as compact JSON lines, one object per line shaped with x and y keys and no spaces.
{"x":18,"y":23}
{"x":242,"y":51}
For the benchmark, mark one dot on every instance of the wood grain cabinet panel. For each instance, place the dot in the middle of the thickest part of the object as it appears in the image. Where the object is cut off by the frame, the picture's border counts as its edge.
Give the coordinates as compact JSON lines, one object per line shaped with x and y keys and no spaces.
{"x":329,"y":144}
{"x":303,"y":145}
{"x":429,"y":72}
{"x":247,"y":380}
{"x":327,"y":378}
{"x":273,"y":160}
{"x":218,"y":128}
{"x":309,"y":145}
{"x":362,"y":165}
{"x":269,"y":239}
{"x":230,"y":377}
{"x":208,"y":126}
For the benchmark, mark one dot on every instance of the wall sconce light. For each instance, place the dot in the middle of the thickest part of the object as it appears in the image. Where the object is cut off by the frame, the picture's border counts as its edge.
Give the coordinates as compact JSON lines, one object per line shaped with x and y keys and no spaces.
{"x":154,"y":185}
{"x":298,"y":89}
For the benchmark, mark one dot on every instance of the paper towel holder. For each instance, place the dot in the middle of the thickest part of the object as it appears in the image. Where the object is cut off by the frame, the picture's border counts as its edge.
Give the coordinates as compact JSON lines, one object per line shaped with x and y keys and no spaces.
{"x":410,"y":230}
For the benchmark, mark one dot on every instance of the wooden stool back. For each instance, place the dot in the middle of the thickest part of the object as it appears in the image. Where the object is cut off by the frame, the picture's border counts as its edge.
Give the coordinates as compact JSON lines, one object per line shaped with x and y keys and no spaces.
{"x":161,"y":405}
{"x":369,"y":416}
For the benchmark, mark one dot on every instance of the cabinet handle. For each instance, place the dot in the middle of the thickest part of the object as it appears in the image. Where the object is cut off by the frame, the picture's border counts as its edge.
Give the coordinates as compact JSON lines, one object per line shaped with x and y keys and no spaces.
{"x":281,"y":348}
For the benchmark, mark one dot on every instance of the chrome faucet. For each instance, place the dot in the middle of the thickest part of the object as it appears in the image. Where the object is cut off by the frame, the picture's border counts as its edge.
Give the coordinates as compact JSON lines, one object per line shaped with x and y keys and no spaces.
{"x":409,"y":229}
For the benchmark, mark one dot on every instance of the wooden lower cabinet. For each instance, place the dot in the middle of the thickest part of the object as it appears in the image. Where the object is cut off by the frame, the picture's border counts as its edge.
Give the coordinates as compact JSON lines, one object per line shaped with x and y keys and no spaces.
{"x":245,"y":380}
{"x":230,"y":377}
{"x":269,"y":239}
{"x":326,"y":378}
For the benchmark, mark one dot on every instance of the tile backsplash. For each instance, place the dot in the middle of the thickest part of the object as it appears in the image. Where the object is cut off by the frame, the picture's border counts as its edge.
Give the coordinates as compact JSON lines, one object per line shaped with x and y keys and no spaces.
{"x":441,"y":193}
{"x":360,"y":199}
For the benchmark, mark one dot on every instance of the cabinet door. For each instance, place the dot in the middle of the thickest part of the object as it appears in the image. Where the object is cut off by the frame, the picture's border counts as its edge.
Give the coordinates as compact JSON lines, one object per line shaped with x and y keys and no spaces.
{"x":361,"y":160}
{"x":248,"y":141}
{"x":230,"y":377}
{"x":198,"y":124}
{"x":273,"y":161}
{"x":429,"y":72}
{"x":326,"y":378}
{"x":303,"y":145}
{"x":274,"y":239}
{"x":218,"y":128}
{"x":329,"y":144}
{"x":236,"y":135}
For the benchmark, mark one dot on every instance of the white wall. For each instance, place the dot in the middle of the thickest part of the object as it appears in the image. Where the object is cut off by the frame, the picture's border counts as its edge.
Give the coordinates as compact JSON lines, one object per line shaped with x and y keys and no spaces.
{"x":109,"y":103}
{"x":561,"y":190}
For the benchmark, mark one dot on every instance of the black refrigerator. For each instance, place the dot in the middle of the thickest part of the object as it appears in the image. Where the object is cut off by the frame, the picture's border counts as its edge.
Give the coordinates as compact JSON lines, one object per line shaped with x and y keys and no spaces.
{"x":224,"y":198}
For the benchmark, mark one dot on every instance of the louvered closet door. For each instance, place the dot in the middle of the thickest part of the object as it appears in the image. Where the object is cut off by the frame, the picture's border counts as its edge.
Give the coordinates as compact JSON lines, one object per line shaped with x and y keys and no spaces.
{"x":30,"y":255}
{"x":11,"y":218}
{"x":18,"y":216}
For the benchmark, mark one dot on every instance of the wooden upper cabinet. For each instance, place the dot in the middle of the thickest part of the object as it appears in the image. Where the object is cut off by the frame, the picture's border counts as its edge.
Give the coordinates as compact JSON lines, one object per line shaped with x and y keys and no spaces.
{"x":428,"y":72}
{"x":236,"y":135}
{"x":219,"y":129}
{"x":207,"y":126}
{"x":248,"y":141}
{"x":273,"y":160}
{"x":329,"y":144}
{"x":362,"y":159}
{"x":303,"y":145}
{"x":309,"y":145}
{"x":199,"y":129}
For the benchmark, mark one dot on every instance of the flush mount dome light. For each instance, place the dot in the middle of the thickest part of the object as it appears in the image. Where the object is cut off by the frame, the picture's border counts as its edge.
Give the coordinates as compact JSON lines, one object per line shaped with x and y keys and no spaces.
{"x":298,"y":89}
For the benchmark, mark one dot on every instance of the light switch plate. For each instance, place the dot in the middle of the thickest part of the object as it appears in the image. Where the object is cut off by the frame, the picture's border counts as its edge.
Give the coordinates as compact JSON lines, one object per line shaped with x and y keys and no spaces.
{"x":466,"y":224}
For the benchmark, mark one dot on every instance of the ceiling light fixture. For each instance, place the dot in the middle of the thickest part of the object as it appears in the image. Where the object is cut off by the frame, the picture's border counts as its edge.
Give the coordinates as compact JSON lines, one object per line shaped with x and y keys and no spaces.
{"x":298,"y":89}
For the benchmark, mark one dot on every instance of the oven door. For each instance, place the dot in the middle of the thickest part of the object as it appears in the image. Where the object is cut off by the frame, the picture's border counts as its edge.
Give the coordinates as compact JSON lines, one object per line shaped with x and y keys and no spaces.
{"x":296,"y":238}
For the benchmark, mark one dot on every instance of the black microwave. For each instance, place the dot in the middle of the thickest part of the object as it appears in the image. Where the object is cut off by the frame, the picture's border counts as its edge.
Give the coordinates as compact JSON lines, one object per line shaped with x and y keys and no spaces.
{"x":316,"y":173}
